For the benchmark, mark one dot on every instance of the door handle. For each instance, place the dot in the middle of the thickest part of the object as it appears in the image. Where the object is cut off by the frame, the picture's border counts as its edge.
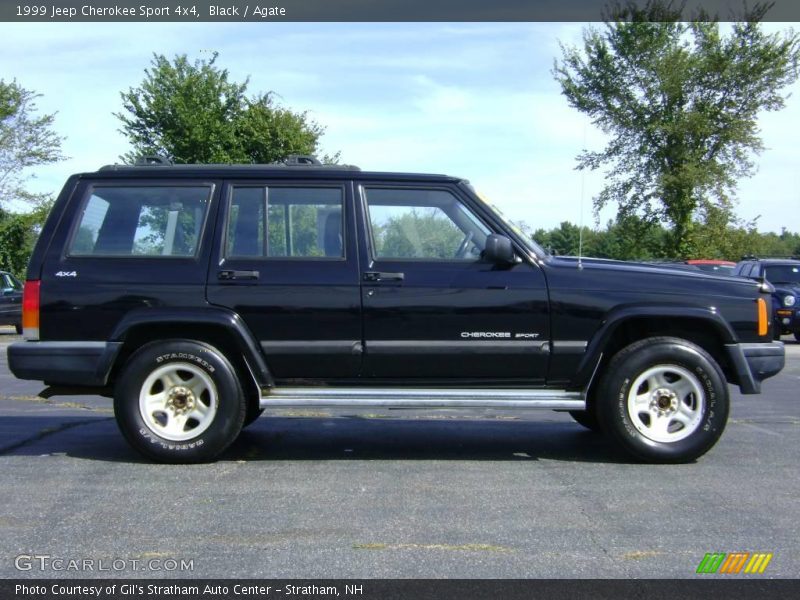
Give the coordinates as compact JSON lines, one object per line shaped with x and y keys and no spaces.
{"x":374,"y":276}
{"x":240,"y":275}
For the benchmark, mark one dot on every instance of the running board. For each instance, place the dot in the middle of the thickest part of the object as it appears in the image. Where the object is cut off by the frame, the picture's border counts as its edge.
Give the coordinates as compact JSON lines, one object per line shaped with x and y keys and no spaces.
{"x":421,"y":398}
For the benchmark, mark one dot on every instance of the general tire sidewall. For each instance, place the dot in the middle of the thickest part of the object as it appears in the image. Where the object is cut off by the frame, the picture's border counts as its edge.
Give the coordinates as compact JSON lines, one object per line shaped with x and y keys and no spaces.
{"x":715,"y":410}
{"x":230,"y":407}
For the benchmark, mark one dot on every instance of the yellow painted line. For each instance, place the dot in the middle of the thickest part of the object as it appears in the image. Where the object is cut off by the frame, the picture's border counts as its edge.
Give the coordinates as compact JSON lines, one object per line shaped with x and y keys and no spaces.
{"x":767,"y":558}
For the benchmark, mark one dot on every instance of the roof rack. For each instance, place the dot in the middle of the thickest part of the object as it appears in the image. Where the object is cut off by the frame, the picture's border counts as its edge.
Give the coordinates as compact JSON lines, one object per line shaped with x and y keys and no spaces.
{"x":301,"y":160}
{"x":771,"y":256}
{"x":293,"y":160}
{"x":151,"y":160}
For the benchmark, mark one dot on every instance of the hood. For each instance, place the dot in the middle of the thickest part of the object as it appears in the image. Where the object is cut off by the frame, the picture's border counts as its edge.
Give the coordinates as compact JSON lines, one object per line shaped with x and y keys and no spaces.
{"x":787,"y":288}
{"x":670,"y":278}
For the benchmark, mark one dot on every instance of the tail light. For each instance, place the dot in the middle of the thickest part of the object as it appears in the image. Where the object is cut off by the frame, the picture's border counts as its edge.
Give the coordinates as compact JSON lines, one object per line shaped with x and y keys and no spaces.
{"x":763,"y":322}
{"x":30,"y":310}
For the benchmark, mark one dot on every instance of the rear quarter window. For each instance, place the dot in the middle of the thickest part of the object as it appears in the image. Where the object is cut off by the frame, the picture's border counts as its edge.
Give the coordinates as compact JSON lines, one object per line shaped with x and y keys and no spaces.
{"x":141,"y":221}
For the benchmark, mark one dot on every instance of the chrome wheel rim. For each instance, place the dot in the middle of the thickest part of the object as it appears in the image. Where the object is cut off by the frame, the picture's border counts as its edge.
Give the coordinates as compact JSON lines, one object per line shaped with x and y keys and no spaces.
{"x":666,"y":403}
{"x":178,"y":401}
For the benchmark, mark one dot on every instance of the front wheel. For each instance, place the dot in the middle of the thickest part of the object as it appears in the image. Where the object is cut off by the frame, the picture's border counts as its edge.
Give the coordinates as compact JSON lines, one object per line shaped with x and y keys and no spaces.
{"x":179,"y":401}
{"x":664,"y":399}
{"x":586,"y":418}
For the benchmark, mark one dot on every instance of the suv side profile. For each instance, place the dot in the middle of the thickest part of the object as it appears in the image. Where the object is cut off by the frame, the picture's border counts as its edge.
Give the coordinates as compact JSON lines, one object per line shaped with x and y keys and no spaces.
{"x":784,"y":275}
{"x":201,"y":295}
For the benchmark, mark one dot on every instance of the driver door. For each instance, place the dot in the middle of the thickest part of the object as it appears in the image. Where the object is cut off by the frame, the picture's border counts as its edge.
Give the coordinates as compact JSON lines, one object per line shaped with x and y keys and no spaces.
{"x":432,"y":308}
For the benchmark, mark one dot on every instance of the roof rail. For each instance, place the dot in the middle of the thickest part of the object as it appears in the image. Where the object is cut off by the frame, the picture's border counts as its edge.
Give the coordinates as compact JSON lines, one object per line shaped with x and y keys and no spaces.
{"x":150,"y":160}
{"x":301,"y":160}
{"x":771,"y":256}
{"x":291,"y":161}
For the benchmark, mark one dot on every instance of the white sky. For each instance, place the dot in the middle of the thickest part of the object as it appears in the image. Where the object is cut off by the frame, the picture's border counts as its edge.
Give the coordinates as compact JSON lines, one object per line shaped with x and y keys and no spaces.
{"x":475,"y":100}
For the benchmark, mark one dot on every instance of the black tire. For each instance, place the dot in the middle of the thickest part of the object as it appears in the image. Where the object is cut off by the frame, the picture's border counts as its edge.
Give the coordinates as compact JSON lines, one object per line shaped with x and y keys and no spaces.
{"x":18,"y":328}
{"x":797,"y":337}
{"x":253,"y":412}
{"x":587,"y":418}
{"x":179,"y":379}
{"x":677,"y":381}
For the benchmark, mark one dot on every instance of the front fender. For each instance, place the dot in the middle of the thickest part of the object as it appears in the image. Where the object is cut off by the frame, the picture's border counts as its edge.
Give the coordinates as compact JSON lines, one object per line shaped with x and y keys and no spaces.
{"x":599,"y":341}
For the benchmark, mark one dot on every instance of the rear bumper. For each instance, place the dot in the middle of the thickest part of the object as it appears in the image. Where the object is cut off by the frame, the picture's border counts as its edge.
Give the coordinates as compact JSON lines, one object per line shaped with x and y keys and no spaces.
{"x":754,"y":363}
{"x":63,"y":363}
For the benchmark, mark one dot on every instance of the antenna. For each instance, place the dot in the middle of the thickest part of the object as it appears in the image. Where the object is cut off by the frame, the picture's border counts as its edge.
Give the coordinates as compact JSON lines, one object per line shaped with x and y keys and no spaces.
{"x":583,"y":189}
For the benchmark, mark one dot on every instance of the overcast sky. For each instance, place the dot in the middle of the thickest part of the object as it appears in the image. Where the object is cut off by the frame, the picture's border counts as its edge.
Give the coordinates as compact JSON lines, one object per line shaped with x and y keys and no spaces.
{"x":474,"y":100}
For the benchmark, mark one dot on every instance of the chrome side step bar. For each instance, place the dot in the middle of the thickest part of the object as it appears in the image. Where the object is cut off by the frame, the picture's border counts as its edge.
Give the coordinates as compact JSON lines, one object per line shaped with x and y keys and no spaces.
{"x":421,"y":398}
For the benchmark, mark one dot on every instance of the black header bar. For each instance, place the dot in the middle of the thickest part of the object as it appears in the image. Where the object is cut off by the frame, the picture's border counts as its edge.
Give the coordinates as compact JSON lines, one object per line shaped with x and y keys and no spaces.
{"x":252,"y":11}
{"x":711,"y":588}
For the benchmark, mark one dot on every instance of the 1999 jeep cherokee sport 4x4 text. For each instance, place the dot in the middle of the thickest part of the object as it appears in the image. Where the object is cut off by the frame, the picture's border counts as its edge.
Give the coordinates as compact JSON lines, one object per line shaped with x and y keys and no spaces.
{"x":202,"y":295}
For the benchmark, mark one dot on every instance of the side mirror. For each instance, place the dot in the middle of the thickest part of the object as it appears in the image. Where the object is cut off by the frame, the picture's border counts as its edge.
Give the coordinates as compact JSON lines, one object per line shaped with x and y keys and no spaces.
{"x":499,"y":250}
{"x":8,"y":292}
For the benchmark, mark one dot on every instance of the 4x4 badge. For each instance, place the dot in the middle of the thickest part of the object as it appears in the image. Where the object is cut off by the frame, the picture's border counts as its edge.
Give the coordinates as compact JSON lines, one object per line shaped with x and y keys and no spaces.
{"x":67,"y":274}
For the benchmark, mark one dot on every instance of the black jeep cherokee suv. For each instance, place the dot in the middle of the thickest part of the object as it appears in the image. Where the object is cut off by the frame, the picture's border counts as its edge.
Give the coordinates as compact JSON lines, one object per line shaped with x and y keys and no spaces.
{"x":202,"y":295}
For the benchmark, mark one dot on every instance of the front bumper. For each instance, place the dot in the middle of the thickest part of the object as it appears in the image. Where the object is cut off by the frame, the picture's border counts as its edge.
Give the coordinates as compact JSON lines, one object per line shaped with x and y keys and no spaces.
{"x":753,"y":363}
{"x":787,"y":320}
{"x":63,"y":363}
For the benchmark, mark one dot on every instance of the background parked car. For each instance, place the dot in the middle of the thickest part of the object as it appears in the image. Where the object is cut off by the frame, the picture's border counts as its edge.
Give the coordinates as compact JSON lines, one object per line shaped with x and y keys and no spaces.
{"x":708,"y":265}
{"x":784,"y":275}
{"x":718,"y":267}
{"x":10,"y":301}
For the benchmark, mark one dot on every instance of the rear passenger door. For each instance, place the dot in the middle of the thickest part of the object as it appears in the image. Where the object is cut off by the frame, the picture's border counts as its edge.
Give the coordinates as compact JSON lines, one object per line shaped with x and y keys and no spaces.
{"x":286,"y":262}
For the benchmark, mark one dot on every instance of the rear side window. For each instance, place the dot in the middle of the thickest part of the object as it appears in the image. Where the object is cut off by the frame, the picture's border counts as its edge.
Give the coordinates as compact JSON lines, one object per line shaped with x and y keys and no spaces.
{"x":285,"y":222}
{"x":141,"y":221}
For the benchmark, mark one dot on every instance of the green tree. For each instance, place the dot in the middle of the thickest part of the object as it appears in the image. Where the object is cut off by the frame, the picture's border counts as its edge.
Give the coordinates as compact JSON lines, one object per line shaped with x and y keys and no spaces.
{"x":420,"y":233}
{"x":18,"y":234}
{"x":27,"y":140}
{"x":679,"y":101}
{"x":192,"y":113}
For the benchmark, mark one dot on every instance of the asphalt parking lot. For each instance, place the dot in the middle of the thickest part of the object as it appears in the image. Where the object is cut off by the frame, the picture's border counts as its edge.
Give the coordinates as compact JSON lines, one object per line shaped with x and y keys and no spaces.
{"x":314,"y":495}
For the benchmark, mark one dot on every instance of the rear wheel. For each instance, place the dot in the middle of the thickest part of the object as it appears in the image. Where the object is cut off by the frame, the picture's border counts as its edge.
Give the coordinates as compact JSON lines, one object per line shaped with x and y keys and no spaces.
{"x":664,"y":400}
{"x":18,"y":328}
{"x":797,"y":336}
{"x":179,"y":401}
{"x":253,"y":412}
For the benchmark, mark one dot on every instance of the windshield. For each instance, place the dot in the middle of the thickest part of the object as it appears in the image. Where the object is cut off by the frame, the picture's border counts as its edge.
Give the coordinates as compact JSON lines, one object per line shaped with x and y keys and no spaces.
{"x":783,"y":274}
{"x":492,"y":208}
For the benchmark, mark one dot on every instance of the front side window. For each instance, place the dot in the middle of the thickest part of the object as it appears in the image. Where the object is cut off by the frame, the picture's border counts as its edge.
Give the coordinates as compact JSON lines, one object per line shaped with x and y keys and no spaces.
{"x":285,"y":222}
{"x":423,"y":224}
{"x":141,"y":221}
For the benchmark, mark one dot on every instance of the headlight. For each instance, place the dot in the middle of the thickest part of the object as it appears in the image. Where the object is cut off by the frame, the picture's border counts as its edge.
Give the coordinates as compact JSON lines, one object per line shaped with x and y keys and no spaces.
{"x":789,"y":300}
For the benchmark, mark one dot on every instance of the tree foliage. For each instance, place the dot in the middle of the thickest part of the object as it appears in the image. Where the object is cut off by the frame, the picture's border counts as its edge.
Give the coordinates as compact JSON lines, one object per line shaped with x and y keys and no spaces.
{"x":18,"y":234}
{"x":679,"y":101}
{"x":421,"y":233}
{"x":26,"y":140}
{"x":191,"y":112}
{"x":636,"y":239}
